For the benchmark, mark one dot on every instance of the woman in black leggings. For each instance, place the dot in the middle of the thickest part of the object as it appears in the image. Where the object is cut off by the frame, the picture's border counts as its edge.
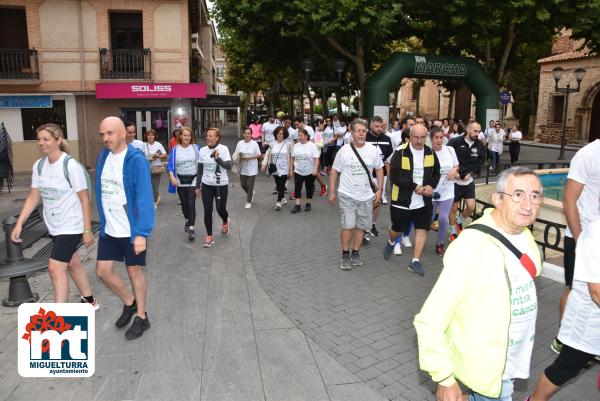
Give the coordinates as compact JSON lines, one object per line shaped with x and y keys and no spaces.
{"x":213,"y":165}
{"x":304,"y":168}
{"x":278,"y":156}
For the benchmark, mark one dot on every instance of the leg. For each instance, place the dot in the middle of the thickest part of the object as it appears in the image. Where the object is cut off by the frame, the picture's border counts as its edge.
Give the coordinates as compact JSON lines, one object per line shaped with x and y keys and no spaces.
{"x":346,"y":239}
{"x":309,"y":181}
{"x":208,"y":195}
{"x":184,"y":205}
{"x":469,"y":208}
{"x":280,"y":184}
{"x":104,"y":271}
{"x":250,"y":186}
{"x":140,"y":288}
{"x":155,"y":185}
{"x":569,"y":263}
{"x":443,"y":214}
{"x":79,"y":276}
{"x":60,"y":280}
{"x":191,"y":205}
{"x":298,"y":181}
{"x":357,"y":238}
{"x":222,"y":203}
{"x":420,"y":239}
{"x":517,"y":151}
{"x":244,"y":182}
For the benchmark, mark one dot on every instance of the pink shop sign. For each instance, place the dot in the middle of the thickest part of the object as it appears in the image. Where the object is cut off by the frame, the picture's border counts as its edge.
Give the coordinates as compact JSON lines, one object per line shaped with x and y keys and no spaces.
{"x":150,"y":91}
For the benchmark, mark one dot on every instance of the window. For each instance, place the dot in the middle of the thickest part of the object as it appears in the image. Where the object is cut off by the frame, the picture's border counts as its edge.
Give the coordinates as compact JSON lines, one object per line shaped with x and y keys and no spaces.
{"x":33,"y":118}
{"x":558,"y":108}
{"x":416,"y":91}
{"x":126,"y":31}
{"x":13,"y":29}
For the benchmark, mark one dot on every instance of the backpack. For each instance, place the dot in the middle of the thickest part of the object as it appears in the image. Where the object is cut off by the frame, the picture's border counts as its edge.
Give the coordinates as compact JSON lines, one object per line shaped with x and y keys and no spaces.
{"x":68,"y":157}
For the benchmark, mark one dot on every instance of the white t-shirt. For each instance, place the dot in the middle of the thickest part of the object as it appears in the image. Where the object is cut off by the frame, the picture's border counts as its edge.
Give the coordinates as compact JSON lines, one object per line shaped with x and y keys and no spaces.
{"x":516,"y":135}
{"x":136,"y":143}
{"x":248,"y":167}
{"x":292,"y":135}
{"x":62,"y":208}
{"x":114,"y":201}
{"x":304,"y":155}
{"x":209,"y":165}
{"x":347,"y":138}
{"x":268,"y":129}
{"x":340,"y":132}
{"x":354,"y":181}
{"x":186,"y":163}
{"x":310,"y":131}
{"x":156,"y":147}
{"x":580,"y":306}
{"x":416,"y":200}
{"x":327,"y":136}
{"x":496,"y":141}
{"x":524,"y":306}
{"x":280,"y":157}
{"x":585,"y":169}
{"x":396,"y":138}
{"x":448,"y":159}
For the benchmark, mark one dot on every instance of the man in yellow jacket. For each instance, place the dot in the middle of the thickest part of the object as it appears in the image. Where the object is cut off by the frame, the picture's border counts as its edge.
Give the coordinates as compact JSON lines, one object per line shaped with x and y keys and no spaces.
{"x":478,"y":324}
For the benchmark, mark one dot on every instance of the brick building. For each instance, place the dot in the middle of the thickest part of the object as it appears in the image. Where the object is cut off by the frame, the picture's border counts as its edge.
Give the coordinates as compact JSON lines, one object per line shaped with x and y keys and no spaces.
{"x":583,"y":110}
{"x":75,"y":62}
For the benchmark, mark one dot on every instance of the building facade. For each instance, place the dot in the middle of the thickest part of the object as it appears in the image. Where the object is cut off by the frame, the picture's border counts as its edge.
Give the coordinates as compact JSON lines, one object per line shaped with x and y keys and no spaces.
{"x":76,"y":62}
{"x":583,"y":108}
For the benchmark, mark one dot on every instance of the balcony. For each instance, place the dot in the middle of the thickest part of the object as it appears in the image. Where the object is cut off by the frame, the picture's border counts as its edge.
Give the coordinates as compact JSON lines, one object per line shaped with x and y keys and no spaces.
{"x":19,"y":65}
{"x":125,"y":64}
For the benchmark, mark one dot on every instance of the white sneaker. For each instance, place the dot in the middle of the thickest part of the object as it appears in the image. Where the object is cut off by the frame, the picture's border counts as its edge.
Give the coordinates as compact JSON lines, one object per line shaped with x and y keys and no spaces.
{"x":248,"y":205}
{"x":406,"y":242}
{"x":278,"y":206}
{"x":384,"y":200}
{"x":283,"y":201}
{"x":397,"y":249}
{"x":158,"y":200}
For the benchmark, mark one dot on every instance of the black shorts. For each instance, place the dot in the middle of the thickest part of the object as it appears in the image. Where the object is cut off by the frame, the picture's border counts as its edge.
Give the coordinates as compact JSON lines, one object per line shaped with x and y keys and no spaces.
{"x":401,"y":218}
{"x":119,"y":250}
{"x":64,"y":246}
{"x":464,"y":191}
{"x":569,"y":260}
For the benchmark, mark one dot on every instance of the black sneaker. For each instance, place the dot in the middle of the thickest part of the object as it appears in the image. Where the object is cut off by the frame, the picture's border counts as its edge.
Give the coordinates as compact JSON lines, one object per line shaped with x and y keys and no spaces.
{"x":374,"y":231}
{"x":128,"y":312}
{"x":137,"y":328}
{"x":186,"y":227}
{"x":307,"y":207}
{"x":191,"y":234}
{"x":296,"y":209}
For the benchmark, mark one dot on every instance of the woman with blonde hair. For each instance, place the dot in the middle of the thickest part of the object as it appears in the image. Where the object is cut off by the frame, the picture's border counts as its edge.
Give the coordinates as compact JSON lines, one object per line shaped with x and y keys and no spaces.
{"x":156,"y":154}
{"x":60,"y":182}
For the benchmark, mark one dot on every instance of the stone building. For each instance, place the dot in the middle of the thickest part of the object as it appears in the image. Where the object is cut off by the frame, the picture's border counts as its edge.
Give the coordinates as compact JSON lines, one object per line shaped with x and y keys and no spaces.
{"x":76,"y":62}
{"x":583,"y":109}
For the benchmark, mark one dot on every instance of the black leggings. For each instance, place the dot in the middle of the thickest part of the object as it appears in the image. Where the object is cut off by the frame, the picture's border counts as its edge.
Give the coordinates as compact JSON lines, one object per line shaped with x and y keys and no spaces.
{"x":219,"y":195}
{"x":329,"y":155}
{"x":280,"y":184}
{"x":187,"y":197}
{"x":514,"y":148}
{"x":568,"y":365}
{"x":308,"y":181}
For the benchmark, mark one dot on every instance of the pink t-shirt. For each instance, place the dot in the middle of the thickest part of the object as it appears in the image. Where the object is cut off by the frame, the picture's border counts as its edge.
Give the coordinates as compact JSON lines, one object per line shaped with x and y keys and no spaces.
{"x":256,"y":130}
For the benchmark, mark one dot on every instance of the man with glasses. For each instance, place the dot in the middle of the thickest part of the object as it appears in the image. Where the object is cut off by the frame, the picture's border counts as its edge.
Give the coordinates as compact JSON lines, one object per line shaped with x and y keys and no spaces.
{"x":471,"y":155}
{"x":356,"y":197}
{"x":478,"y":324}
{"x":414,"y":171}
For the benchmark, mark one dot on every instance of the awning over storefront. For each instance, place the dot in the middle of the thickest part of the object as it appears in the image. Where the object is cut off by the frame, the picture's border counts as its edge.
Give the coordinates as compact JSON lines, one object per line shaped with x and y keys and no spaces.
{"x":144,"y":90}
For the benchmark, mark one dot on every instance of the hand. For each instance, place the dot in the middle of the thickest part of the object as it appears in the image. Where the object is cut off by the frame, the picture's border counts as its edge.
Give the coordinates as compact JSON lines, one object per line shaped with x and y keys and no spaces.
{"x":198,"y":193}
{"x":378,"y":196}
{"x":216,"y":154}
{"x":315,"y":172}
{"x":263,"y":168}
{"x":426,"y":190}
{"x":291,"y":175}
{"x":331,"y":197}
{"x":139,"y":245}
{"x":88,"y":239}
{"x":15,"y":236}
{"x":467,"y":177}
{"x":452,"y":174}
{"x":419,"y":190}
{"x":450,"y":393}
{"x":173,"y":181}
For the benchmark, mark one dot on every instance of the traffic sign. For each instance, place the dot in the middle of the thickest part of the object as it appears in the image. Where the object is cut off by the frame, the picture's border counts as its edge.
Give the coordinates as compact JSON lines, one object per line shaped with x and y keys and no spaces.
{"x":505,"y":97}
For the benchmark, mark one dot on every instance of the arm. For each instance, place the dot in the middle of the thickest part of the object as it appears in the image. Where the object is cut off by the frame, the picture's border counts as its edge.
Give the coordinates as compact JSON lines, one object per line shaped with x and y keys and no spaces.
{"x":171,"y":167}
{"x":199,"y":176}
{"x":573,"y":190}
{"x":379,"y":174}
{"x":143,"y":205}
{"x":226,"y":164}
{"x":31,"y":202}
{"x":316,"y":166}
{"x":88,"y":236}
{"x":332,"y":181}
{"x":594,"y":289}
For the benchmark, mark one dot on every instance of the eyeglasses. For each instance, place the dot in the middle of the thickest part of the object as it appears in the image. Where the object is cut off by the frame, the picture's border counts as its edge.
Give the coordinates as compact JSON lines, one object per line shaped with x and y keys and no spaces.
{"x":517,"y":196}
{"x":419,"y":138}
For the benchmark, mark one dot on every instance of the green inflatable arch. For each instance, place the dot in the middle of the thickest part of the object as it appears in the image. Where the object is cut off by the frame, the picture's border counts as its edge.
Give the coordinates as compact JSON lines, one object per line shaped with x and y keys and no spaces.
{"x":410,"y":65}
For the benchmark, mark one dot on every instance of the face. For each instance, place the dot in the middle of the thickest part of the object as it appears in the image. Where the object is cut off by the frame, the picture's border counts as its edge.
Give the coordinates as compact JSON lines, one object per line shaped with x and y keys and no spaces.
{"x":395,"y":125}
{"x":497,"y":127}
{"x":302,"y":137}
{"x":438,"y":140}
{"x":419,"y":120}
{"x":212,"y":138}
{"x":409,"y":123}
{"x":247,"y":135}
{"x":359,"y":134}
{"x":46,"y":142}
{"x":271,"y":119}
{"x":445,"y":123}
{"x":287,"y":123}
{"x":186,"y":137}
{"x":113,"y":134}
{"x":280,"y":135}
{"x":376,"y":127}
{"x":299,"y":124}
{"x":437,"y":123}
{"x":492,"y":124}
{"x":523,"y":213}
{"x":150,"y":137}
{"x":417,"y":136}
{"x":473,"y":131}
{"x":131,"y":133}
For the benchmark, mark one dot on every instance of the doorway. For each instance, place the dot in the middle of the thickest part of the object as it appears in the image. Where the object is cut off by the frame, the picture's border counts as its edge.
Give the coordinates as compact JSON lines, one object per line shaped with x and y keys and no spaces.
{"x":595,"y":120}
{"x":157,"y":119}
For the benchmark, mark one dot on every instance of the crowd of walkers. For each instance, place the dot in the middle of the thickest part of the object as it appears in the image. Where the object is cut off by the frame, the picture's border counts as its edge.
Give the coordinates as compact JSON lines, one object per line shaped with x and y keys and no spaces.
{"x":430,"y":170}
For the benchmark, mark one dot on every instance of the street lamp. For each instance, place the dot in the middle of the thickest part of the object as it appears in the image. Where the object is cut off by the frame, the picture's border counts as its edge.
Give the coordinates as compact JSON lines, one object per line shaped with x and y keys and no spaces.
{"x":558,"y":74}
{"x":308,"y":65}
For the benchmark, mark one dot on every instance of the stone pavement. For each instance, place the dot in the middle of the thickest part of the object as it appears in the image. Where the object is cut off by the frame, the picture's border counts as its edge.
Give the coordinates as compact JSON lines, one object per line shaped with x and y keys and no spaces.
{"x":218,"y":331}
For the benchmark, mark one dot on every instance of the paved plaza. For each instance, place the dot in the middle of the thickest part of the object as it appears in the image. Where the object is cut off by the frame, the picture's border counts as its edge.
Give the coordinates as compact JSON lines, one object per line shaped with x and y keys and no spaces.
{"x":266,"y":314}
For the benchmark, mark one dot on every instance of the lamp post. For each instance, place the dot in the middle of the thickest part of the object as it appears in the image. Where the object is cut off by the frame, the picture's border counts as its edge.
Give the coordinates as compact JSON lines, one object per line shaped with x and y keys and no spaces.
{"x":558,"y":74}
{"x":308,"y":65}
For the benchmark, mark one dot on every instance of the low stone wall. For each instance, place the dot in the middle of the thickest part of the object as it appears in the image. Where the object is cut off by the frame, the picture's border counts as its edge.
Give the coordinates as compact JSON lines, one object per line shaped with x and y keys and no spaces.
{"x":552,"y":133}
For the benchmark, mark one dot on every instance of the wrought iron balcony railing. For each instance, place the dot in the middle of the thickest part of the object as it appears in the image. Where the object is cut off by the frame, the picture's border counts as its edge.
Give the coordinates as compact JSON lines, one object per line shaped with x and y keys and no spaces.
{"x":125,"y":64}
{"x":19,"y":64}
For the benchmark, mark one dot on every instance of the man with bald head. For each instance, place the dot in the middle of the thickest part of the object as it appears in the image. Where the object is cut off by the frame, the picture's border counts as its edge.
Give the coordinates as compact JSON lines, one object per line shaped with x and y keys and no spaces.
{"x":414,"y":170}
{"x":126,"y":210}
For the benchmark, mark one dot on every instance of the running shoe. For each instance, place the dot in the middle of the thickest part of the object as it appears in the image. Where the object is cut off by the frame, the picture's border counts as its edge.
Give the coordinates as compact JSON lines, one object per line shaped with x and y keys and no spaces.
{"x":435,"y":225}
{"x":452,"y":237}
{"x":94,"y":304}
{"x":556,"y":346}
{"x":126,"y":315}
{"x":324,"y":172}
{"x":296,"y":209}
{"x":367,"y":237}
{"x":374,"y":231}
{"x":406,"y":242}
{"x":388,"y":250}
{"x":439,"y":249}
{"x":191,"y":234}
{"x":137,"y":328}
{"x":323,"y":190}
{"x":459,"y":227}
{"x":248,"y":205}
{"x":397,"y":249}
{"x":158,"y":200}
{"x":346,"y":263}
{"x":186,"y":227}
{"x":225,"y":228}
{"x":292,"y":196}
{"x":208,"y":241}
{"x":356,"y":260}
{"x":278,"y":206}
{"x":283,"y":201}
{"x":307,"y":207}
{"x":415,"y":267}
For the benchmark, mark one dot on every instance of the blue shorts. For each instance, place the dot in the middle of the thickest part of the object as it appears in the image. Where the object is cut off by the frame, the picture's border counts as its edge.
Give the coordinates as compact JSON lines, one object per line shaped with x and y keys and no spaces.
{"x":119,"y":250}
